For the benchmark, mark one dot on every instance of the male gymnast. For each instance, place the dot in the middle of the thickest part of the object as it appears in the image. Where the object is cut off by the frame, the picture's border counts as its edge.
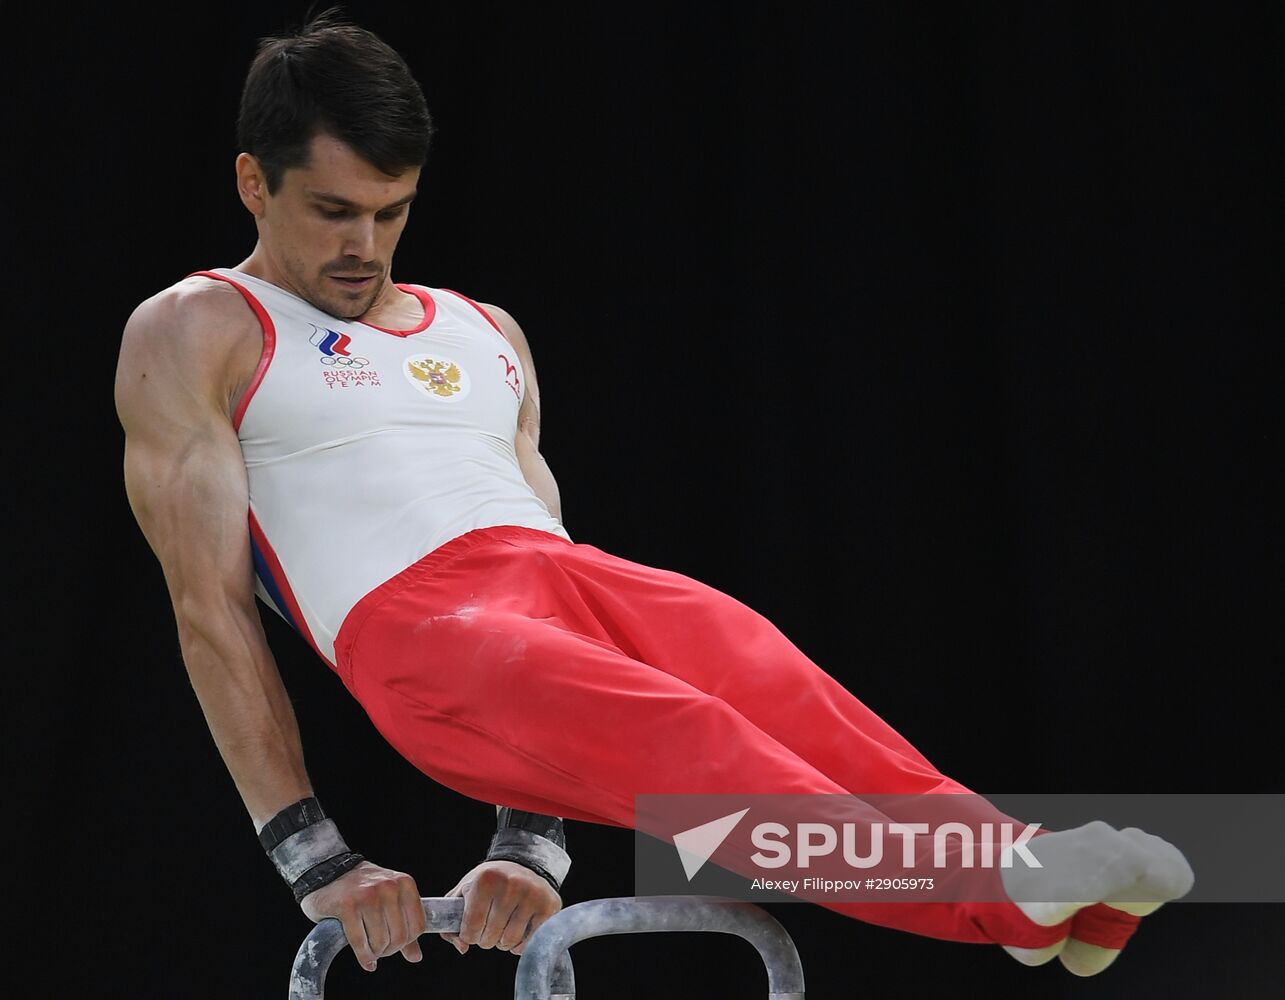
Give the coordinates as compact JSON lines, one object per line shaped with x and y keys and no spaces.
{"x":503,"y":659}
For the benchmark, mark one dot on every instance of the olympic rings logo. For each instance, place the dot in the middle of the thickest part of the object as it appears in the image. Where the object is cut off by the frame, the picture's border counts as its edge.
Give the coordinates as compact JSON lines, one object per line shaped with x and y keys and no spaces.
{"x":345,"y":362}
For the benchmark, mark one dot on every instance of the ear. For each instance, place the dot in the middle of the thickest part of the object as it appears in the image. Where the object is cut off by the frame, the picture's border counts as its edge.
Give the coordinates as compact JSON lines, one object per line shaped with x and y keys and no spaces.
{"x":251,"y":184}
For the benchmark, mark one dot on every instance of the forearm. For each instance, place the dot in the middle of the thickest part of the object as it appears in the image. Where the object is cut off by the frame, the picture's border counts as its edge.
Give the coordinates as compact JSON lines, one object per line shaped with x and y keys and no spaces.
{"x":246,"y":707}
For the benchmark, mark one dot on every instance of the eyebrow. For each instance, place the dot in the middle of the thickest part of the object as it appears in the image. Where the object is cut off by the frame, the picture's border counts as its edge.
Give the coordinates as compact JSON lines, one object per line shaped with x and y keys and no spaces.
{"x":334,"y":199}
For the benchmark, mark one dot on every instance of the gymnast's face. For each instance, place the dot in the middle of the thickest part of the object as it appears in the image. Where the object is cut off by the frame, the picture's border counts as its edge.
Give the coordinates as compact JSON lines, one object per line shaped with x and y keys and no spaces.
{"x":329,"y":232}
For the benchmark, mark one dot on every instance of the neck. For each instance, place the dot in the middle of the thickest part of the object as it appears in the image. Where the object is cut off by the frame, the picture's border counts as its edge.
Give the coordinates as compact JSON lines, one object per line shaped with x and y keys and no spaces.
{"x":389,"y":306}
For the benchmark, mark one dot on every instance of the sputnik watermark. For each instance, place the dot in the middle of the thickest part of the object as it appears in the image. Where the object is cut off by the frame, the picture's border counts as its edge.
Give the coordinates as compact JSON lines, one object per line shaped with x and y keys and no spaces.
{"x":922,"y":847}
{"x":818,"y":840}
{"x":872,"y":847}
{"x":950,"y":846}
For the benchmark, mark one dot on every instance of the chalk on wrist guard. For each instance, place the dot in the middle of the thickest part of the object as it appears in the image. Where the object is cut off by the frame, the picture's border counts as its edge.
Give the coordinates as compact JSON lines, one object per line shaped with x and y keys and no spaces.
{"x":534,"y":841}
{"x":291,"y":819}
{"x":306,"y":847}
{"x":325,"y":873}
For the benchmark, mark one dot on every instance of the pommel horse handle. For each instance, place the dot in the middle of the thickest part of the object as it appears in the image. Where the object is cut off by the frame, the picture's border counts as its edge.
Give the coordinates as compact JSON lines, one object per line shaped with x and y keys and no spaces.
{"x":540,"y":963}
{"x":327,"y":939}
{"x":544,"y":968}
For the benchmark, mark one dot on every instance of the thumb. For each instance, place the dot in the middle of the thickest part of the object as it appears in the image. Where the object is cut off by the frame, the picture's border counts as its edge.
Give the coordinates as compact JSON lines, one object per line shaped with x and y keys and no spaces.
{"x":453,"y":937}
{"x":460,"y":888}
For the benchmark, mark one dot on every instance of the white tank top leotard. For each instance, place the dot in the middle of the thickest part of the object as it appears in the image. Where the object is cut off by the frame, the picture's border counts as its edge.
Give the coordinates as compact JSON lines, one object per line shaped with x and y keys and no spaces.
{"x":368,"y":448}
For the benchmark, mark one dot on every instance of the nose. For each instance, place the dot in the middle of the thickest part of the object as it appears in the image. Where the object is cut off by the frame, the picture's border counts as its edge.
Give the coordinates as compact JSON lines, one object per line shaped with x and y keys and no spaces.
{"x":359,"y":239}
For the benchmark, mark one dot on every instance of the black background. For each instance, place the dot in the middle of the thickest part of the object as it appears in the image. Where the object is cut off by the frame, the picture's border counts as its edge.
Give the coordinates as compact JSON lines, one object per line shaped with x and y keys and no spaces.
{"x":940,"y":337}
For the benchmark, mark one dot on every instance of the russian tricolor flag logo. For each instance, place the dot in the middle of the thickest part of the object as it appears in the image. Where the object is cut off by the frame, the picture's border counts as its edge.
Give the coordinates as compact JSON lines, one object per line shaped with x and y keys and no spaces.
{"x":330,"y":343}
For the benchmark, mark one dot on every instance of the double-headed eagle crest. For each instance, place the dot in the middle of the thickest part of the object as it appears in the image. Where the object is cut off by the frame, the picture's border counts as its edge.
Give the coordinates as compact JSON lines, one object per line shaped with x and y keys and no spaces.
{"x":439,"y":377}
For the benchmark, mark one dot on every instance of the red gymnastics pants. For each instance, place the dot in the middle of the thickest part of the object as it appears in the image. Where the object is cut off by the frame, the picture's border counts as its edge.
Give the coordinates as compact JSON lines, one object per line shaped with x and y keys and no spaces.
{"x":521,"y":669}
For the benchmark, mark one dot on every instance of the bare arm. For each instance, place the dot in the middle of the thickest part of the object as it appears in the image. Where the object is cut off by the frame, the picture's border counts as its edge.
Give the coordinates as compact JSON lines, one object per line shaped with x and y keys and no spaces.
{"x":186,"y":483}
{"x":535,"y":470}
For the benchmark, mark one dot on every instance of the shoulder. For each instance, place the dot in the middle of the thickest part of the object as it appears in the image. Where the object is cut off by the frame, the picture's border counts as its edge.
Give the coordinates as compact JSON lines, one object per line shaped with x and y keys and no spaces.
{"x":505,"y":321}
{"x":530,"y":412}
{"x":497,"y":316}
{"x":501,"y":316}
{"x":199,"y":332}
{"x":184,"y":315}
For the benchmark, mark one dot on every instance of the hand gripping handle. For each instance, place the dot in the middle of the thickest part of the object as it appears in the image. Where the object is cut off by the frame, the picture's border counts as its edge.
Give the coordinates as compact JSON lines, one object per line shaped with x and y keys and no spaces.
{"x":327,"y":939}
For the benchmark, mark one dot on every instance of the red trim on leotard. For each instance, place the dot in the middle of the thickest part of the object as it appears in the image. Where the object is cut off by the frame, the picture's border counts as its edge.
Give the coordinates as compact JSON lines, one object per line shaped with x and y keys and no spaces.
{"x":425,"y":299}
{"x":269,"y":341}
{"x":283,"y":585}
{"x":479,"y":309}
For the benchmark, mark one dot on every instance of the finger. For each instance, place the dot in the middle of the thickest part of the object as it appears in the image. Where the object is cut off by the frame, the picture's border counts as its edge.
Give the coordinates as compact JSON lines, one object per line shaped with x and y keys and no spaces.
{"x":416,"y":923}
{"x":455,"y":941}
{"x":502,"y":928}
{"x":451,"y":936}
{"x":526,"y":938}
{"x":416,"y":918}
{"x":376,"y":932}
{"x":355,"y":932}
{"x":536,"y":921}
{"x":395,"y":918}
{"x":515,"y":934}
{"x":503,"y":897}
{"x":473,"y":922}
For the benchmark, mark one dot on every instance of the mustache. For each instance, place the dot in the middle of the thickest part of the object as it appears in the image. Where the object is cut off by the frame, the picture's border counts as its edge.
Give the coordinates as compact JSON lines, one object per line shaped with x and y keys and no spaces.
{"x":347,"y":269}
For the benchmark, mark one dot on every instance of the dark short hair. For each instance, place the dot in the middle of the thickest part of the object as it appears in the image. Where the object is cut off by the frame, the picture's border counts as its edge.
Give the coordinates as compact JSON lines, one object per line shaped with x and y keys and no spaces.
{"x":331,"y":77}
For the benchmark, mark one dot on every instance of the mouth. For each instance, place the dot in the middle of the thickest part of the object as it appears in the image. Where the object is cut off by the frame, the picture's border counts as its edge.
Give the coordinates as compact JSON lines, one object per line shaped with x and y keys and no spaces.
{"x":355,"y":283}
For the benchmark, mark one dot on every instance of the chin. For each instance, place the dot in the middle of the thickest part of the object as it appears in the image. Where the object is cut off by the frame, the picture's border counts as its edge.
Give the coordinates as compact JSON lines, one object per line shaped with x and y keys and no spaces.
{"x":340,"y":308}
{"x":349,"y":310}
{"x":346,"y":308}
